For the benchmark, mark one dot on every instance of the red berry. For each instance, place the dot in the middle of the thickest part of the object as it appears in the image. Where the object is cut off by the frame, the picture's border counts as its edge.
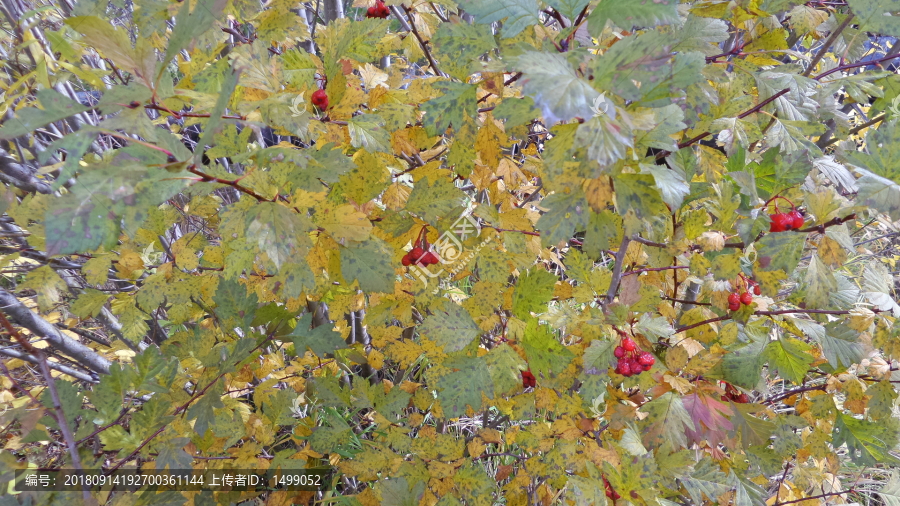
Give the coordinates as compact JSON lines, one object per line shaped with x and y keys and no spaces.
{"x":781,"y":222}
{"x":636,"y":366}
{"x":628,"y":344}
{"x":742,"y":399}
{"x":624,"y":367}
{"x":746,"y":298}
{"x":735,"y":306}
{"x":406,"y":260}
{"x":434,"y":258}
{"x":320,"y":99}
{"x":646,"y":359}
{"x":648,"y":367}
{"x":415,"y":254}
{"x":428,"y":258}
{"x":619,"y":352}
{"x":756,"y":290}
{"x":796,"y":219}
{"x":528,"y":379}
{"x":733,"y":298}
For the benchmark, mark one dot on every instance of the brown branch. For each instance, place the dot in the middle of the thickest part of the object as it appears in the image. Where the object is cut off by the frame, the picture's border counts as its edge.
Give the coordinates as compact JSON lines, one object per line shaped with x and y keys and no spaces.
{"x":824,"y":49}
{"x":538,"y":234}
{"x":422,"y":43}
{"x":704,"y":322}
{"x":790,"y":393}
{"x":206,"y":178}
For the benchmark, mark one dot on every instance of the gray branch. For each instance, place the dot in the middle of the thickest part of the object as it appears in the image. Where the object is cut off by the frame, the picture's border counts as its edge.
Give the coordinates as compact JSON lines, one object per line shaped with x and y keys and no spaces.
{"x":61,"y":342}
{"x":20,"y":176}
{"x":83,"y":376}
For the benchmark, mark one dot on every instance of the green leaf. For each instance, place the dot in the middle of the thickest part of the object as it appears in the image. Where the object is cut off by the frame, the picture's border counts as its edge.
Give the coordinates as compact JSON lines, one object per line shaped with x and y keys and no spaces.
{"x":367,"y":132}
{"x":868,"y":443}
{"x":89,"y":303}
{"x":568,"y":212}
{"x":533,"y":291}
{"x":191,"y":24}
{"x":518,"y":14}
{"x":368,"y":262}
{"x":557,"y":90}
{"x":753,"y":430}
{"x":780,"y":251}
{"x":568,"y":8}
{"x":234,"y":303}
{"x":744,"y":364}
{"x":890,"y":492}
{"x":879,"y":193}
{"x":545,"y":353}
{"x":320,"y":340}
{"x":462,"y":44}
{"x":879,"y":16}
{"x":840,"y":344}
{"x":789,"y":357}
{"x":666,"y":421}
{"x":325,"y":439}
{"x":434,"y":199}
{"x":707,"y":480}
{"x":397,"y":492}
{"x":452,"y":328}
{"x":516,"y":111}
{"x":464,"y":387}
{"x":203,"y":410}
{"x":458,"y":101}
{"x":603,"y":232}
{"x":605,"y":139}
{"x":626,"y":14}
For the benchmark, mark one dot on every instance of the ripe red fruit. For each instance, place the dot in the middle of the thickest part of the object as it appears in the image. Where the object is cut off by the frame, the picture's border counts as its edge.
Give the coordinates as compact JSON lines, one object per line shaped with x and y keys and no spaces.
{"x":406,"y":260}
{"x":756,"y":290}
{"x":624,"y":367}
{"x":646,"y":359}
{"x":733,"y":298}
{"x":379,"y":10}
{"x":648,"y":367}
{"x":320,"y":99}
{"x":619,"y":352}
{"x":781,"y":222}
{"x":528,"y":379}
{"x":796,"y":219}
{"x":746,"y":298}
{"x":415,"y":254}
{"x":734,"y":307}
{"x":628,"y":344}
{"x":428,"y":258}
{"x":636,"y":366}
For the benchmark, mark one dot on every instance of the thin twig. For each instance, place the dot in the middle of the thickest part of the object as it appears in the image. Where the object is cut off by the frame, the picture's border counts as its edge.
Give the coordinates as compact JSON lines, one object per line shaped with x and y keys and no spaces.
{"x":422,"y":43}
{"x":617,"y":270}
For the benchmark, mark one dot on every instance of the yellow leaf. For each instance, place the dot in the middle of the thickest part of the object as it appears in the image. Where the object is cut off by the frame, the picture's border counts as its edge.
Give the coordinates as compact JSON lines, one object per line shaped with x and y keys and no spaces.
{"x":396,"y":195}
{"x":344,"y":222}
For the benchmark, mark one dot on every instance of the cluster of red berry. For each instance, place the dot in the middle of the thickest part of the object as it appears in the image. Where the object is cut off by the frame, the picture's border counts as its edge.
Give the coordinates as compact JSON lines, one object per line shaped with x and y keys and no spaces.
{"x":420,"y":255}
{"x":734,"y":395}
{"x":791,"y":220}
{"x":735,"y":300}
{"x":528,"y":379}
{"x":632,"y":360}
{"x":320,"y":99}
{"x":379,"y":10}
{"x":612,"y":494}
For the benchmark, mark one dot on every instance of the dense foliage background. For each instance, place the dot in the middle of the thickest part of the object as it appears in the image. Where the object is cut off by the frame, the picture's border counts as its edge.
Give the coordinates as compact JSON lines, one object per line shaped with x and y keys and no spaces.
{"x":206,"y":263}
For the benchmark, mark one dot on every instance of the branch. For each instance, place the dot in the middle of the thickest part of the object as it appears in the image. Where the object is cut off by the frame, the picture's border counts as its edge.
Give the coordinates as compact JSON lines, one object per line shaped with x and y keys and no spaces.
{"x":40,"y":327}
{"x":820,"y":496}
{"x":538,"y":234}
{"x":771,"y":313}
{"x":21,"y":176}
{"x":206,"y":178}
{"x":824,"y":49}
{"x":617,"y":270}
{"x":789,"y":393}
{"x":422,"y":43}
{"x":53,"y":365}
{"x":655,"y":269}
{"x":58,"y":412}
